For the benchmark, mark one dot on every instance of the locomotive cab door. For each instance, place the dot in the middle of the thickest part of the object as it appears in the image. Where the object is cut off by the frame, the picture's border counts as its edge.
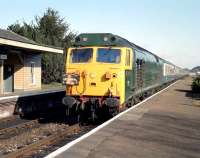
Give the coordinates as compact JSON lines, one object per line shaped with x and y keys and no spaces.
{"x":129,"y":72}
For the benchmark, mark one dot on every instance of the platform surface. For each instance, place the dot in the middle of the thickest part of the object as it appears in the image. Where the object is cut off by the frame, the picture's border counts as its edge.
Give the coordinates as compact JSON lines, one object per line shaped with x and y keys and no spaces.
{"x":31,"y":92}
{"x":7,"y":109}
{"x":166,"y":126}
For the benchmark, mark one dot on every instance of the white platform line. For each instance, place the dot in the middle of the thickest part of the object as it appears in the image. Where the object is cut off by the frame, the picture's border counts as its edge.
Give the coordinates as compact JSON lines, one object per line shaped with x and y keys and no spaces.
{"x":9,"y":97}
{"x":72,"y":143}
{"x":31,"y":94}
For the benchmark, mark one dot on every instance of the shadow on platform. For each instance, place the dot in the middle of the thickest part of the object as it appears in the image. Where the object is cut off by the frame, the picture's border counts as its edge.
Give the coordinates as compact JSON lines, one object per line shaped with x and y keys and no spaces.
{"x":190,"y":94}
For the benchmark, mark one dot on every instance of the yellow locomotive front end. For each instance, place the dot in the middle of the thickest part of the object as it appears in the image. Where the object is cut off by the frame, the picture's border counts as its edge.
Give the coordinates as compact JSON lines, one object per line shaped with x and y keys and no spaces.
{"x":94,"y":71}
{"x":95,"y":78}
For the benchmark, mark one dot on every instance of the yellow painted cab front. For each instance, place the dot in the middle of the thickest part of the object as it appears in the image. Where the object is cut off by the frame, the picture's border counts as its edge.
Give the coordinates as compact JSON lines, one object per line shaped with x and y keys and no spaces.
{"x":96,"y":71}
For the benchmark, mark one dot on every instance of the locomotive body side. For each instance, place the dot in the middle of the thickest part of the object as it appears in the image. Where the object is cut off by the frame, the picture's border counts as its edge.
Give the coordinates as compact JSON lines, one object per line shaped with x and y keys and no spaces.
{"x":146,"y":74}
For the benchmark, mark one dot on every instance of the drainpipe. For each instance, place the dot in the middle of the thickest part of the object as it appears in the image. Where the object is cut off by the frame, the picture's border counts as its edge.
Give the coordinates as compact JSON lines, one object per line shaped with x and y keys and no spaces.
{"x":1,"y":77}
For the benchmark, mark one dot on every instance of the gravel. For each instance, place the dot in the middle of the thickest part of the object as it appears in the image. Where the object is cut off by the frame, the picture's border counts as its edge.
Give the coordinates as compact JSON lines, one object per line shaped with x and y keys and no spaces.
{"x":32,"y":135}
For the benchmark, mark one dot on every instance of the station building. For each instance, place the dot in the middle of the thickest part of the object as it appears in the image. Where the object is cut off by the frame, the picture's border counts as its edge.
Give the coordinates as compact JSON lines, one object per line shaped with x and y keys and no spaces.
{"x":20,"y":62}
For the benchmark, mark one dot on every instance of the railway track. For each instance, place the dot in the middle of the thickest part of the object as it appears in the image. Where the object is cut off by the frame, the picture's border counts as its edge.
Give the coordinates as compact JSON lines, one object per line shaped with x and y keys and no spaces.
{"x":26,"y":138}
{"x":28,"y":150}
{"x":21,"y":137}
{"x":7,"y":120}
{"x":11,"y":121}
{"x":35,"y":139}
{"x":17,"y":129}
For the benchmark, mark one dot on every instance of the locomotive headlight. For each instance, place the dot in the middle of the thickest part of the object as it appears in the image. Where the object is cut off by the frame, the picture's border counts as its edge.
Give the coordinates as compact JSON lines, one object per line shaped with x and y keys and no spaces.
{"x":92,"y":75}
{"x":108,"y":75}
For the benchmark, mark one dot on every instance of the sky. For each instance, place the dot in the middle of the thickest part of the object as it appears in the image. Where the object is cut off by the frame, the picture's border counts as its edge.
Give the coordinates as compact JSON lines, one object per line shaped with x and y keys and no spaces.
{"x":168,"y":28}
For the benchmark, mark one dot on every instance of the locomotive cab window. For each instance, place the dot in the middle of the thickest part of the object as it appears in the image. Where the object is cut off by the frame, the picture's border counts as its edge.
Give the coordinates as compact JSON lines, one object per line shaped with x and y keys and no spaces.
{"x":128,"y":58}
{"x":107,"y":55}
{"x":81,"y":55}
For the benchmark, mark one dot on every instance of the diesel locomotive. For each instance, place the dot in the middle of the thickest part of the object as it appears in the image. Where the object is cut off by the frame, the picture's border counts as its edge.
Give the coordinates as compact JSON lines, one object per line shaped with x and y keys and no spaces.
{"x":105,"y":73}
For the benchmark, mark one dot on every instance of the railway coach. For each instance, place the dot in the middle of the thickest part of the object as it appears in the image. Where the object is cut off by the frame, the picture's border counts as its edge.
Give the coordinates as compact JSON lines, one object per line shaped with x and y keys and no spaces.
{"x":105,"y":73}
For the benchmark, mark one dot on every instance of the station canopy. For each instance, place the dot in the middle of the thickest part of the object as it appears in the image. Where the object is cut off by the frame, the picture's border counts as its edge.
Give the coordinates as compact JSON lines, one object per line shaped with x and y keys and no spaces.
{"x":9,"y":38}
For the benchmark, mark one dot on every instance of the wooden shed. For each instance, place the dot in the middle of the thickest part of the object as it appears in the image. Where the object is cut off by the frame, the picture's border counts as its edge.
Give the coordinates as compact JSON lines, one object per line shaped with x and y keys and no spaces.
{"x":20,"y":62}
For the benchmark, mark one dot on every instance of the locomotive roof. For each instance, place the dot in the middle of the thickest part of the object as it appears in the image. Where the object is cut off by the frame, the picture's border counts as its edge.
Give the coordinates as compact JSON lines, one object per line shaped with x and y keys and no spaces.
{"x":100,"y":39}
{"x":107,"y":39}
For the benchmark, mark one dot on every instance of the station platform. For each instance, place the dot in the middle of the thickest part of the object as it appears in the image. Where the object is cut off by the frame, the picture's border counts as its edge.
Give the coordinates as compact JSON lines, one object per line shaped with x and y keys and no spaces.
{"x":7,"y":101}
{"x":167,"y":125}
{"x":28,"y":93}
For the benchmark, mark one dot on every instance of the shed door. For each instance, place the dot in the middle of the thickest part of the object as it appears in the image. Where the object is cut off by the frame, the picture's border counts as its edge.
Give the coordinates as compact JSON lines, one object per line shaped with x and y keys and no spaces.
{"x":8,"y":78}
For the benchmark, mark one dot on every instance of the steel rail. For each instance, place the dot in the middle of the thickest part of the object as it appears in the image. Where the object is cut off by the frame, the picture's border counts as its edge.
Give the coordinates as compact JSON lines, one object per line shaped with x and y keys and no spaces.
{"x":52,"y":139}
{"x":7,"y":119}
{"x":13,"y":130}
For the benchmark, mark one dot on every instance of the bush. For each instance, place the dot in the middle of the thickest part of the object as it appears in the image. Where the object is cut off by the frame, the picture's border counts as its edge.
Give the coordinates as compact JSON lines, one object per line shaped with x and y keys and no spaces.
{"x":196,"y":85}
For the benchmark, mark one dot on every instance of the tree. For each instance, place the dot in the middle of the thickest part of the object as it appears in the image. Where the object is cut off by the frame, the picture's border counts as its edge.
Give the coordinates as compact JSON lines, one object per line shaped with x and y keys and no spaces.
{"x":27,"y":30}
{"x":49,"y":29}
{"x":52,"y":29}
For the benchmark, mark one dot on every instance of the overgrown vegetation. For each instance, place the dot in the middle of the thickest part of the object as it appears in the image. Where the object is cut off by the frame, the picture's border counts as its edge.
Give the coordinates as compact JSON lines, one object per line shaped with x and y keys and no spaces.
{"x":49,"y":29}
{"x":196,"y":85}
